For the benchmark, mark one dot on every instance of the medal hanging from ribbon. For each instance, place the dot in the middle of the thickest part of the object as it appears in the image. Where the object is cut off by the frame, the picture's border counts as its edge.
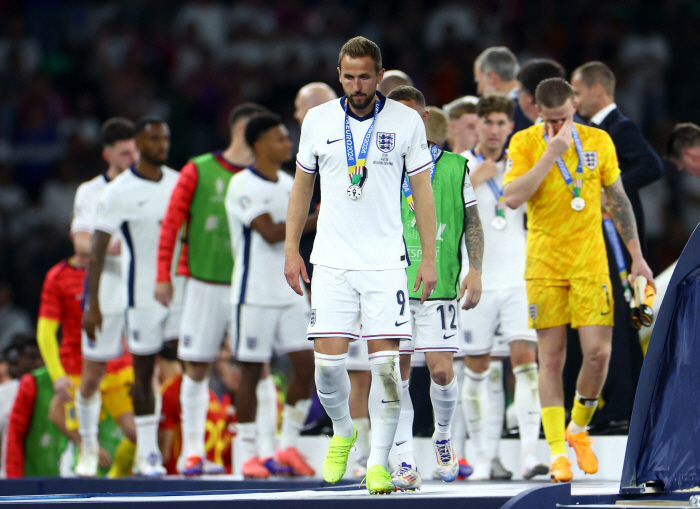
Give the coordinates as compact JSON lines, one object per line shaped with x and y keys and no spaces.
{"x":619,"y":255}
{"x":406,"y":186}
{"x":499,"y":221}
{"x":356,"y":167}
{"x":574,"y":184}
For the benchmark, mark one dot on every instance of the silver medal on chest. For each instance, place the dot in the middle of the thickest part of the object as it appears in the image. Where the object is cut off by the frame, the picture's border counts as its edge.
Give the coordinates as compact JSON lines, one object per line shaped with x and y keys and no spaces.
{"x":354,"y":191}
{"x":578,"y":204}
{"x":498,"y":222}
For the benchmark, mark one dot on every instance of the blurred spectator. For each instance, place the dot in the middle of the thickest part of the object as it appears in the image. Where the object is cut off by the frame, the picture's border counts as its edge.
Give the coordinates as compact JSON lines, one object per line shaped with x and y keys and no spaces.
{"x":13,"y":320}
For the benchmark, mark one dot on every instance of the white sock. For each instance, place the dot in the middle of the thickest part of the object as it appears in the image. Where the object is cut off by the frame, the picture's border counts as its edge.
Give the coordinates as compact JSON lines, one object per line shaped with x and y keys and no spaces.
{"x":146,"y":434}
{"x":363,"y":434}
{"x":384,"y":404}
{"x":404,"y":431}
{"x":333,"y":389}
{"x":459,"y":427}
{"x":474,"y":403}
{"x":88,"y":413}
{"x":444,"y":399}
{"x":246,"y":434}
{"x":496,"y":408}
{"x":194,"y":404}
{"x":266,"y":416}
{"x":527,"y":407}
{"x":293,"y":419}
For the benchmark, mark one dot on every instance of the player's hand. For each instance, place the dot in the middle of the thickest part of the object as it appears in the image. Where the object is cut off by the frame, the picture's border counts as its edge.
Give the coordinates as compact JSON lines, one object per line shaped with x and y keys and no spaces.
{"x":561,"y":142}
{"x":92,"y":320}
{"x":164,"y":292}
{"x":484,"y":171}
{"x":293,"y":266}
{"x":62,"y":386}
{"x":427,"y":274}
{"x":114,"y":247}
{"x":105,"y":460}
{"x":472,"y":286}
{"x":640,"y":268}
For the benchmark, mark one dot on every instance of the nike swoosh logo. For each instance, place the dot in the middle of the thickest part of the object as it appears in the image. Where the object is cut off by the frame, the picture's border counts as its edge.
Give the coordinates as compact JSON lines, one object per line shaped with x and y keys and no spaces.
{"x":328,"y":141}
{"x":448,"y":337}
{"x":603,"y":314}
{"x":400,"y":324}
{"x":327,"y":393}
{"x":400,"y":443}
{"x":392,"y":401}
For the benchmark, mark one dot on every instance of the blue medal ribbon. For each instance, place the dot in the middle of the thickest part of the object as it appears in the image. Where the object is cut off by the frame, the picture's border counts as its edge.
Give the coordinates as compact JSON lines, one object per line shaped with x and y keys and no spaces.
{"x":406,"y":186}
{"x":356,"y":166}
{"x":495,"y":190}
{"x":616,"y":245}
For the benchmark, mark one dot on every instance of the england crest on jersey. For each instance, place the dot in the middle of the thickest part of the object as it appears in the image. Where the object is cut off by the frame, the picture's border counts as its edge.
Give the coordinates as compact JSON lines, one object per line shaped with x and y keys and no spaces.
{"x":385,"y":141}
{"x":312,"y":321}
{"x":590,"y":159}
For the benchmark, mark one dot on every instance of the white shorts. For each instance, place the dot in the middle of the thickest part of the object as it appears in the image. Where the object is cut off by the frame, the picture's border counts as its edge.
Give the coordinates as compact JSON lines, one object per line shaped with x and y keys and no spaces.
{"x":358,"y":357}
{"x":148,"y":328}
{"x":258,"y":330}
{"x":107,"y":344}
{"x":206,"y":316}
{"x":499,"y":318}
{"x":435,"y":327}
{"x":344,"y":301}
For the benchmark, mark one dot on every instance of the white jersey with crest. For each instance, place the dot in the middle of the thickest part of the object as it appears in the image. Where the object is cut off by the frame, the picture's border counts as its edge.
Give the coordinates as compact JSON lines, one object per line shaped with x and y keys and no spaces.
{"x":87,"y":198}
{"x":135,"y":206}
{"x":367,"y":233}
{"x":504,"y":250}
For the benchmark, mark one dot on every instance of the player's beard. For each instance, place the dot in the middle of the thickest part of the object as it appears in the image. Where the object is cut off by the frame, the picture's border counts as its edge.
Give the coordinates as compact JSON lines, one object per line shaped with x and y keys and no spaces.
{"x":155,"y":161}
{"x":360,"y":105}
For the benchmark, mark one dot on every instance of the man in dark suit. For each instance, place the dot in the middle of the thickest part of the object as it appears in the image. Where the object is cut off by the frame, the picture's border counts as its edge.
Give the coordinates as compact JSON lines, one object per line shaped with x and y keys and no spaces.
{"x":594,"y":89}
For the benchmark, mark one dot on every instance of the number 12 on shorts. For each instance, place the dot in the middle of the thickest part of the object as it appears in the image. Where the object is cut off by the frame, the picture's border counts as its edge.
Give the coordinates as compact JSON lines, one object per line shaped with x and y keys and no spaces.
{"x":451,"y":309}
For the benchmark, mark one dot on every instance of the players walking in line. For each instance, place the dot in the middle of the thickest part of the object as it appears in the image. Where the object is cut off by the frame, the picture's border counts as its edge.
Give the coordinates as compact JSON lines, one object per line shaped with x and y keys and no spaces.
{"x":198,"y":201}
{"x":134,"y":204}
{"x":267,"y":315}
{"x":435,"y":321}
{"x":503,"y":306}
{"x":120,"y":152}
{"x":360,"y":146}
{"x":566,"y":274}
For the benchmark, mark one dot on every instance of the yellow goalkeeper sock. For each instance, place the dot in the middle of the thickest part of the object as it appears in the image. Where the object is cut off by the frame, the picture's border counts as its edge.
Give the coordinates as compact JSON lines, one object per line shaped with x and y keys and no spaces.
{"x":582,"y":413}
{"x":554,"y":422}
{"x":123,"y":459}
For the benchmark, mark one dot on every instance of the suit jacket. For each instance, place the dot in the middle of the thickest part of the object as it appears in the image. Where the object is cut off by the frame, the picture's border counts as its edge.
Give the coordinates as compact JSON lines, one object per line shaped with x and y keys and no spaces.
{"x":639,"y":163}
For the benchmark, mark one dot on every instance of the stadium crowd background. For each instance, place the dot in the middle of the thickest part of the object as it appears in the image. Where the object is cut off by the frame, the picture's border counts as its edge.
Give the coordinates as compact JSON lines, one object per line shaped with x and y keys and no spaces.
{"x":67,"y":66}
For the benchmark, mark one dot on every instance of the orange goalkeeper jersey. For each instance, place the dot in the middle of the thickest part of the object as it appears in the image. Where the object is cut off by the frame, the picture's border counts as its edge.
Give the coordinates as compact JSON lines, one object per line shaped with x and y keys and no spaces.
{"x":562,"y":243}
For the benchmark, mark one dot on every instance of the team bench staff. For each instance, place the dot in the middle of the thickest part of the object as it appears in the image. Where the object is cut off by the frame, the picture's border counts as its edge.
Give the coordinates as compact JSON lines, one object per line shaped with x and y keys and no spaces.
{"x":566,"y":270}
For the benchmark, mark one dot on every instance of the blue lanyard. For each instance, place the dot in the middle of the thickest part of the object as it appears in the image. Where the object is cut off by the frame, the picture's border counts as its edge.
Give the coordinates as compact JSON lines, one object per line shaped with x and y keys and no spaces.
{"x":574,"y":186}
{"x":493,"y":185}
{"x":406,"y":187}
{"x":355,"y":166}
{"x":616,"y":245}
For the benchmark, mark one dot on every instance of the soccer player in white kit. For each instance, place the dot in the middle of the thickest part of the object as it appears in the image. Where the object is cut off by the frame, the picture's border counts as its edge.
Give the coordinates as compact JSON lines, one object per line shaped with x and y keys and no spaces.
{"x":120,"y":153}
{"x":503,"y":307}
{"x":361,"y":146}
{"x":134,"y":204}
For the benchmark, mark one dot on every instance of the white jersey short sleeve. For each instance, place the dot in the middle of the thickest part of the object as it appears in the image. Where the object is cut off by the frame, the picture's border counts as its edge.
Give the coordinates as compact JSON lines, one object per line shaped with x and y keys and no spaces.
{"x":258,"y":269}
{"x":504,"y":250}
{"x":85,"y":205}
{"x":367,"y":233}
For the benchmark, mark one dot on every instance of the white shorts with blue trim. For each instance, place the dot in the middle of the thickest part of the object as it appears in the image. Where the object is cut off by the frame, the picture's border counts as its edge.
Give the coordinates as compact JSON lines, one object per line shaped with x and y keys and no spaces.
{"x":148,"y":328}
{"x":206,"y":317}
{"x":107,"y":344}
{"x":435,"y":327}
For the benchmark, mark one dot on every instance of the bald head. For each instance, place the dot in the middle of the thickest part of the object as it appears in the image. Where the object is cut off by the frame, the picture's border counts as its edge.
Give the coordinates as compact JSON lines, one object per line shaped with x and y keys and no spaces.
{"x":393,"y":79}
{"x":309,"y":96}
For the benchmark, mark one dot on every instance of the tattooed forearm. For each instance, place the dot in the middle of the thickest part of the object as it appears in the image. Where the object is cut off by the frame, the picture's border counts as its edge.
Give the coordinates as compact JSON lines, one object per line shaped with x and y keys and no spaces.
{"x":474,"y":237}
{"x":621,"y":211}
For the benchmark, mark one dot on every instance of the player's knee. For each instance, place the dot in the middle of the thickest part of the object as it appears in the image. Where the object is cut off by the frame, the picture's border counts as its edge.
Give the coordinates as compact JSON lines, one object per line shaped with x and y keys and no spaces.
{"x":197,"y":371}
{"x":442,"y":377}
{"x":597,"y":358}
{"x":522,"y":352}
{"x":325,"y":371}
{"x":552,"y":362}
{"x":477,"y":363}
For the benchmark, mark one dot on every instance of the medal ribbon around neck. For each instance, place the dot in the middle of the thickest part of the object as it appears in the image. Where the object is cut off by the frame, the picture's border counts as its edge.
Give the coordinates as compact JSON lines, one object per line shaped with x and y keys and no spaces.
{"x":406,"y":186}
{"x":574,"y":185}
{"x":495,"y":190}
{"x":356,"y":166}
{"x":616,"y":245}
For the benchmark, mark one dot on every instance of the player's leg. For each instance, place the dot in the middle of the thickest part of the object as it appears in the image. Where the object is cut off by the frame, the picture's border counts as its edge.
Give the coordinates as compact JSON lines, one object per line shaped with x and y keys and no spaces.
{"x":116,"y":399}
{"x":406,"y":476}
{"x":266,"y":422}
{"x":459,"y":425}
{"x":357,"y":364}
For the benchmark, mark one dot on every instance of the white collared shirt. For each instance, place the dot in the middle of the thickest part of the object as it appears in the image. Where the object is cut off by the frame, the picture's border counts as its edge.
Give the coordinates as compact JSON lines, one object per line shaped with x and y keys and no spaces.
{"x":598,"y":118}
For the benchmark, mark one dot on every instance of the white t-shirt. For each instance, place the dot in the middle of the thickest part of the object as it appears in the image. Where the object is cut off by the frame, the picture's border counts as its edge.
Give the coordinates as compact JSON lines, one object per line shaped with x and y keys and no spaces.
{"x":504,"y":250}
{"x":87,"y":198}
{"x":135,"y":206}
{"x":367,"y":233}
{"x":258,"y":268}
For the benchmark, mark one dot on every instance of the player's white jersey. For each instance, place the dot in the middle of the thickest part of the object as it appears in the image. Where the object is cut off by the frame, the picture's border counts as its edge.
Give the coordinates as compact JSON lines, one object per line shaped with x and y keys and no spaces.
{"x":504,"y":250}
{"x":87,"y":198}
{"x":258,"y":268}
{"x":367,"y":233}
{"x":135,"y":206}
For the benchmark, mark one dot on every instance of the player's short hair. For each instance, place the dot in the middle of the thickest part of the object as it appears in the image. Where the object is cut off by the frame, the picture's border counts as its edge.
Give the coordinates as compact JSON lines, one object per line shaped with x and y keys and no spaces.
{"x":359,"y":47}
{"x":686,"y":135}
{"x":500,"y":60}
{"x":116,"y":129}
{"x":406,"y":93}
{"x":244,"y":111}
{"x":141,"y":124}
{"x":463,"y":106}
{"x":496,"y":103}
{"x":597,"y":72}
{"x":437,"y":127}
{"x":535,"y":71}
{"x":553,"y":92}
{"x":393,"y":79}
{"x":259,"y":125}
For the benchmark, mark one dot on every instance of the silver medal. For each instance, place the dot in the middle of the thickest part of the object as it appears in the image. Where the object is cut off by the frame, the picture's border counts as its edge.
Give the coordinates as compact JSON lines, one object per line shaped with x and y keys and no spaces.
{"x":354,"y":191}
{"x":578,"y":204}
{"x":498,"y":222}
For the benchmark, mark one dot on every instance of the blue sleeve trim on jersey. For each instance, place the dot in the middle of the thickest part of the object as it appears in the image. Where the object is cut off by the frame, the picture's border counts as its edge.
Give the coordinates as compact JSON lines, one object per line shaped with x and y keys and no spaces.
{"x":304,"y":168}
{"x":132,"y":262}
{"x":246,"y":263}
{"x":411,"y":172}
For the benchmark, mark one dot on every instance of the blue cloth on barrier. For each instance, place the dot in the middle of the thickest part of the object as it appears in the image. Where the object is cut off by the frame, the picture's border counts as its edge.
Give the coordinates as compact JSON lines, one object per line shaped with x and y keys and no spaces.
{"x":670,"y":450}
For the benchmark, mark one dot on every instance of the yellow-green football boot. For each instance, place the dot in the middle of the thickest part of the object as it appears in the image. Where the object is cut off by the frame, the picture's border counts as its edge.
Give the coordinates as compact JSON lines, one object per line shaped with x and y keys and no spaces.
{"x":337,"y":457}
